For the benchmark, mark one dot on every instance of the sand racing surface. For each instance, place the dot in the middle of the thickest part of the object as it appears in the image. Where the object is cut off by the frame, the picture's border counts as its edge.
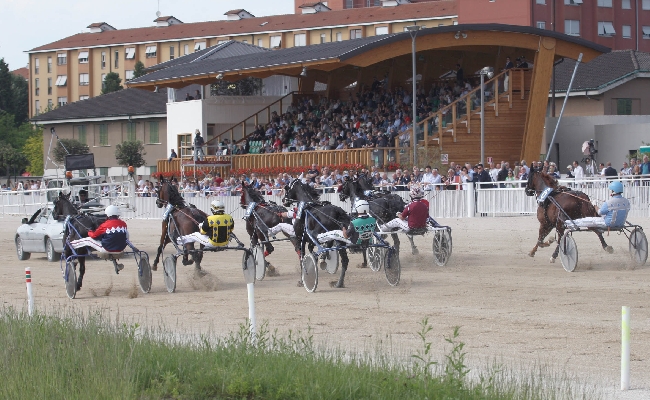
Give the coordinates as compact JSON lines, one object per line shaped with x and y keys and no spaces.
{"x":509,"y":306}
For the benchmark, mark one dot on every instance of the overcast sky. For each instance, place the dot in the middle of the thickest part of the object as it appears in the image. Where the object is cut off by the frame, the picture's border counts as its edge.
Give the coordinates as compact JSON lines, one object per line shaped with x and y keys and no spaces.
{"x":26,"y":24}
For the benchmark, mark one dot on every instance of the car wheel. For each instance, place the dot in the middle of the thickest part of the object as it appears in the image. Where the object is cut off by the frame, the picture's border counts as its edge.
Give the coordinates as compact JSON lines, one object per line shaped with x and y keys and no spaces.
{"x":52,"y":256}
{"x":22,"y":255}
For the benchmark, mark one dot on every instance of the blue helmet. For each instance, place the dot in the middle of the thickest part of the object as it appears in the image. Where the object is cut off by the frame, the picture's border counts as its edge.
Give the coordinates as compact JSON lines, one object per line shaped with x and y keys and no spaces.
{"x":616,"y":187}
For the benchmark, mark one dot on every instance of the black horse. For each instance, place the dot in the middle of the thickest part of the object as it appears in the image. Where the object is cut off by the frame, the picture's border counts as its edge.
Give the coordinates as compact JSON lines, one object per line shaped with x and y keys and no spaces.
{"x":182,"y":220}
{"x":324,"y":217}
{"x":81,"y":224}
{"x":560,"y":205}
{"x":383,"y":206}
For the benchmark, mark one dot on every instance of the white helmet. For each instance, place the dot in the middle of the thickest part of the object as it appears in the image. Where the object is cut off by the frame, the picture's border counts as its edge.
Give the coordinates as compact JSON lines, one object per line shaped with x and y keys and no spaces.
{"x":416,"y":192}
{"x":112,"y":211}
{"x":361,"y":206}
{"x":217,"y":207}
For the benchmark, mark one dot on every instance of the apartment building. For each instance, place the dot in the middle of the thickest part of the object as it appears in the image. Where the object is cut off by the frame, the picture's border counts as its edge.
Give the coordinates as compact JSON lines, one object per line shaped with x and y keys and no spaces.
{"x":73,"y":68}
{"x":617,"y":24}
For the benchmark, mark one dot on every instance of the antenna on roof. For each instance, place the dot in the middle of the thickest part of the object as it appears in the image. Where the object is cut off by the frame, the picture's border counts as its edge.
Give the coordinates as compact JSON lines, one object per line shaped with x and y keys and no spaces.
{"x":158,"y":13}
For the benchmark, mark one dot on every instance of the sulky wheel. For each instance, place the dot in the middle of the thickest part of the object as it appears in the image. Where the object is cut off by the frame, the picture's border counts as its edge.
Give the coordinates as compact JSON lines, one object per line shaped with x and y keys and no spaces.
{"x":309,"y":273}
{"x":144,"y":273}
{"x":331,"y":260}
{"x":568,"y":253}
{"x":378,"y":259}
{"x":638,"y":247}
{"x":441,"y":246}
{"x":169,"y":273}
{"x":70,"y":277}
{"x":370,"y":253}
{"x":392,"y":268}
{"x":248,"y":266}
{"x":260,"y":262}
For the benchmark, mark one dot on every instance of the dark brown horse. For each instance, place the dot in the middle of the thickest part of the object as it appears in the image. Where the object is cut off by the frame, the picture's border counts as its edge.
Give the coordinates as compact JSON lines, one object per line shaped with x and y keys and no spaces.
{"x":181,"y":221}
{"x":560,"y":205}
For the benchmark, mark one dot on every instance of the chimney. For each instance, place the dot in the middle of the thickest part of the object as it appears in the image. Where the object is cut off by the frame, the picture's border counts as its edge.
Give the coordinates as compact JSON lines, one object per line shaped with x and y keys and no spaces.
{"x":313,"y":8}
{"x":167,"y":21}
{"x":393,"y":3}
{"x":99,"y":27}
{"x":236,"y":15}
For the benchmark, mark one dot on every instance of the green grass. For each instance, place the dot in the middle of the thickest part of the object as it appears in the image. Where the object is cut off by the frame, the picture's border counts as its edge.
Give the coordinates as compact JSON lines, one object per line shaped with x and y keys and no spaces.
{"x":90,"y":357}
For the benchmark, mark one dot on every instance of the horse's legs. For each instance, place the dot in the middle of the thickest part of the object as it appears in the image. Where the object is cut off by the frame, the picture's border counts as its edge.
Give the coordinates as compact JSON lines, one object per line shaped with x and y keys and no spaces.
{"x":606,"y":247}
{"x":560,"y":233}
{"x":198,"y":257}
{"x":414,"y":249}
{"x":186,"y":251}
{"x":164,"y":239}
{"x":344,"y":267}
{"x":544,"y":230}
{"x":396,"y":242}
{"x":82,"y":271}
{"x":365,"y":260}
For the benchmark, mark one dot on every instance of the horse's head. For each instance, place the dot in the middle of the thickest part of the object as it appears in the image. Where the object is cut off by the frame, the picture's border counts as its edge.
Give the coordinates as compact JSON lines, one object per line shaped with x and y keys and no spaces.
{"x":289,"y":193}
{"x":250,"y":195}
{"x":168,"y":194}
{"x":298,"y":191}
{"x":63,"y":206}
{"x":161,"y":194}
{"x":538,"y":181}
{"x":346,"y":190}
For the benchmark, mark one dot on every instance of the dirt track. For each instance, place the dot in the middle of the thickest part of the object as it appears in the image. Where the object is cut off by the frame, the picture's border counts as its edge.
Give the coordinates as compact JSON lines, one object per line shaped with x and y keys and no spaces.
{"x":508,"y":305}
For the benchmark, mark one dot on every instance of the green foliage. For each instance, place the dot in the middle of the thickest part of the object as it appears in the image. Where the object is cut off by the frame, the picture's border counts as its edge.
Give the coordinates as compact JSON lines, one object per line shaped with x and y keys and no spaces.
{"x":130,"y":153}
{"x":637,"y":154}
{"x":138,"y":70}
{"x":15,"y":135}
{"x":12,"y":161}
{"x":13,"y":94}
{"x":244,"y":87}
{"x":33,"y":150}
{"x":72,"y":146}
{"x":6,"y":92}
{"x":112,"y":83}
{"x":423,"y":358}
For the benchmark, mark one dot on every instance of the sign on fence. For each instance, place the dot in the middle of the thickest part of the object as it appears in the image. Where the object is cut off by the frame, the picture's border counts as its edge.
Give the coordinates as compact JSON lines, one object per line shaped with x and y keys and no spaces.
{"x":444,"y":158}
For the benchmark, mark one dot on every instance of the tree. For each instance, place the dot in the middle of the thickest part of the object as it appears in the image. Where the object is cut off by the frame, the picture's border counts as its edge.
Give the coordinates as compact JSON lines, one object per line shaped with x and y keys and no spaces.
{"x":130,"y":153}
{"x":112,"y":83}
{"x":244,"y":87}
{"x":138,"y":70}
{"x":12,"y":161}
{"x":12,"y":134}
{"x":20,"y":107}
{"x":6,"y":91}
{"x":33,"y":150}
{"x":72,"y":145}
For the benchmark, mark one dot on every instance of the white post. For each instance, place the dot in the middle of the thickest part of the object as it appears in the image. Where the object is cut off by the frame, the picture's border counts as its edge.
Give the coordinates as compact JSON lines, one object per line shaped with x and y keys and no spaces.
{"x":251,"y":309}
{"x":625,"y":348}
{"x":483,"y":116}
{"x":471,"y":200}
{"x":30,"y":292}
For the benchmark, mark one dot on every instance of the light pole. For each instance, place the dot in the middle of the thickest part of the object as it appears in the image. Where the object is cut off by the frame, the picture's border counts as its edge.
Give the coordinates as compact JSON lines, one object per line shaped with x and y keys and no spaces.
{"x":413,"y":31}
{"x":489,"y":72}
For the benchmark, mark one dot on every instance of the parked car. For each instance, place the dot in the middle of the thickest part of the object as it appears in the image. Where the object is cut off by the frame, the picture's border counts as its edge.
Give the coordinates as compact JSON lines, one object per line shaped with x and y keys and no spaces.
{"x":40,"y":234}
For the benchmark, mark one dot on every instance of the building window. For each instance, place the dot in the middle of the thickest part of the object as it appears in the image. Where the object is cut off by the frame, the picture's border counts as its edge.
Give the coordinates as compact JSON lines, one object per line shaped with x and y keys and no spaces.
{"x":103,"y":135}
{"x":276,"y":42}
{"x":103,"y":59}
{"x":645,"y":5}
{"x":604,"y":3}
{"x":186,"y":50}
{"x":49,"y":104}
{"x":128,"y":75}
{"x":130,"y":131}
{"x":61,"y":101}
{"x":573,"y":2}
{"x":323,"y":38}
{"x":646,"y":32}
{"x":80,"y":131}
{"x":355,"y":34}
{"x":61,"y":80}
{"x":103,"y":171}
{"x":171,"y":52}
{"x":83,"y":57}
{"x":85,"y":97}
{"x":198,"y":46}
{"x":61,"y":59}
{"x":49,"y":65}
{"x":153,"y":133}
{"x":83,"y":79}
{"x":260,"y":43}
{"x":626,"y":31}
{"x":185,"y":145}
{"x":153,"y":169}
{"x":37,"y":65}
{"x":49,"y":85}
{"x":339,"y":37}
{"x":541,"y":1}
{"x":299,"y":39}
{"x":151,"y":52}
{"x":625,"y":4}
{"x":606,"y":29}
{"x":572,"y":27}
{"x":37,"y":90}
{"x":623,"y":106}
{"x":245,"y":41}
{"x":129,"y":54}
{"x":117,"y":59}
{"x":37,"y":107}
{"x":541,"y":24}
{"x":349,"y":3}
{"x":381,"y":30}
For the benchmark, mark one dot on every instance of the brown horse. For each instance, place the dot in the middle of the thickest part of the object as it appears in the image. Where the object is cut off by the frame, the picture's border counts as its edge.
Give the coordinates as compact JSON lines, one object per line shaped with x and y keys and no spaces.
{"x":560,"y":204}
{"x":181,"y":221}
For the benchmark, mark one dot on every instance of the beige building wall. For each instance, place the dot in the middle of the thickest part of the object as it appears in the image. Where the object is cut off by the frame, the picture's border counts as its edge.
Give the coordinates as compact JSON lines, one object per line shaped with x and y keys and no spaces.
{"x":580,"y":106}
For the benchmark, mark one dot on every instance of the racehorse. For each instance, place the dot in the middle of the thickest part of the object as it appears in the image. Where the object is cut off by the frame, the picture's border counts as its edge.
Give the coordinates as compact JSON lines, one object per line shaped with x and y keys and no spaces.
{"x":383,"y":206}
{"x":265,"y":215}
{"x":81,"y":224}
{"x":181,"y":221}
{"x":324,"y":217}
{"x":560,"y":205}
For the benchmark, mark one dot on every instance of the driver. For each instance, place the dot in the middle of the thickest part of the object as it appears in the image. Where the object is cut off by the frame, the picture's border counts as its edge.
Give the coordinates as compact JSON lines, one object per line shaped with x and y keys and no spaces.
{"x":283,"y":226}
{"x":613,"y":212}
{"x":414,"y":216}
{"x":110,"y":236}
{"x":83,"y":197}
{"x":360,"y":229}
{"x":216,"y":231}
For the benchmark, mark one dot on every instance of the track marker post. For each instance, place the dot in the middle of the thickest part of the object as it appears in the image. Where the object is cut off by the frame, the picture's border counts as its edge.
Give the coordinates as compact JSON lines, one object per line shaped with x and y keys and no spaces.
{"x":30,"y":292}
{"x":251,"y":310}
{"x":625,"y":348}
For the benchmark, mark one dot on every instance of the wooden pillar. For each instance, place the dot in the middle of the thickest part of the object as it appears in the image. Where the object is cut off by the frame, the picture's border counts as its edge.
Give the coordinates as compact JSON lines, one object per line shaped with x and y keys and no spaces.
{"x":538,"y":99}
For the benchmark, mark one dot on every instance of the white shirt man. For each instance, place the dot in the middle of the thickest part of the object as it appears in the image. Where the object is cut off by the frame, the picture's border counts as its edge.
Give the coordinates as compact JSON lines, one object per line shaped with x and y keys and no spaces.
{"x":494,"y":171}
{"x":427,"y":179}
{"x":578,"y":172}
{"x":626,"y":170}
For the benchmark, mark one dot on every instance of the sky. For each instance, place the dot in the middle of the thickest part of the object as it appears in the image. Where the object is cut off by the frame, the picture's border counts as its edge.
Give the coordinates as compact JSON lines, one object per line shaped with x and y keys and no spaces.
{"x":26,"y":24}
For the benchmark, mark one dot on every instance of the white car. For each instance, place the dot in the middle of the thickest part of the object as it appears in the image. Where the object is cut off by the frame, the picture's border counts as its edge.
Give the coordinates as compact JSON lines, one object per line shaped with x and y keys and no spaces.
{"x":40,"y":234}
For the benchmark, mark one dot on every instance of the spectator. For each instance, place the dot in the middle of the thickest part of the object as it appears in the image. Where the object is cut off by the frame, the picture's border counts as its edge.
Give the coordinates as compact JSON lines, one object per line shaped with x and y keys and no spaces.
{"x":578,"y":172}
{"x":198,"y":146}
{"x":172,"y":155}
{"x":452,"y":181}
{"x":626,"y":170}
{"x":609,"y":172}
{"x":197,"y":95}
{"x":313,"y":173}
{"x":188,"y":97}
{"x":569,"y":174}
{"x":510,"y":178}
